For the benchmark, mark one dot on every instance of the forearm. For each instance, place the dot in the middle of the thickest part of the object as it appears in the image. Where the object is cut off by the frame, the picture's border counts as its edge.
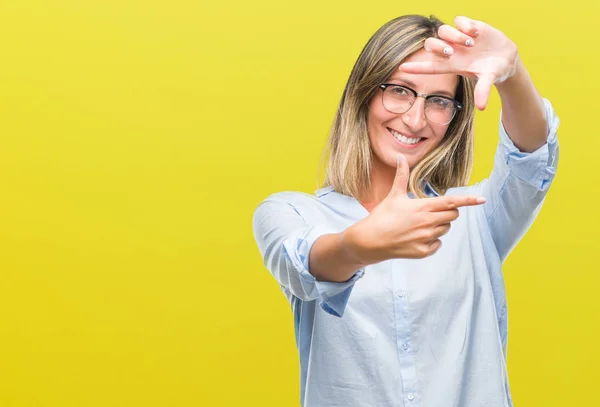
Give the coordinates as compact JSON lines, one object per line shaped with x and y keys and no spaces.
{"x":330,"y":259}
{"x":523,"y":113}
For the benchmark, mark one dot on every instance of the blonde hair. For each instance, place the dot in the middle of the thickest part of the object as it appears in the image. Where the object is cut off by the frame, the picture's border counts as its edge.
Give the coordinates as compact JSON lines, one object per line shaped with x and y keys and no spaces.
{"x":348,"y":150}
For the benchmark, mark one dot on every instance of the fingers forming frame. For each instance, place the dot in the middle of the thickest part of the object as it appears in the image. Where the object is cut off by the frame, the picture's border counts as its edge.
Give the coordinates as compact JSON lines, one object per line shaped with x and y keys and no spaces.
{"x":445,"y":203}
{"x":438,"y":46}
{"x":434,"y":246}
{"x":463,"y":35}
{"x":455,"y":37}
{"x":441,"y":230}
{"x":442,"y":217}
{"x":468,"y":26}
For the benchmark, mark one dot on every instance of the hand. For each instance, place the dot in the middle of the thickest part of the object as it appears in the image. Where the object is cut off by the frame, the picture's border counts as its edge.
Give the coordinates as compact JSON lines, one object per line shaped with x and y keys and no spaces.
{"x":472,"y":49}
{"x":403,"y":227}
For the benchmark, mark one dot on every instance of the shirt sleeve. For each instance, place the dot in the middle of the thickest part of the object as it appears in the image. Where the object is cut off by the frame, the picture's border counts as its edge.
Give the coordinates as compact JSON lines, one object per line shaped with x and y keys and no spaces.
{"x":284,"y":240}
{"x":518,"y":185}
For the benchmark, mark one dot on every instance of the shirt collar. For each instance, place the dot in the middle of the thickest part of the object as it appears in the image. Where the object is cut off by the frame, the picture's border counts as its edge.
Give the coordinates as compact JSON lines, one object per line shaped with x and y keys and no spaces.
{"x":428,"y":189}
{"x":323,"y":191}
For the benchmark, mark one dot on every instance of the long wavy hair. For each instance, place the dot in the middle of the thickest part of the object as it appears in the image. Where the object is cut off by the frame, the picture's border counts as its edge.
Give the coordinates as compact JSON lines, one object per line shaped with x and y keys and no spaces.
{"x":348,"y":151}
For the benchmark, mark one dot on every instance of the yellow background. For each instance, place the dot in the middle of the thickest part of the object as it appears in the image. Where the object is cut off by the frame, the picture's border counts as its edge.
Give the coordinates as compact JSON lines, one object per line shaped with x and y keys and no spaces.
{"x":136,"y":139}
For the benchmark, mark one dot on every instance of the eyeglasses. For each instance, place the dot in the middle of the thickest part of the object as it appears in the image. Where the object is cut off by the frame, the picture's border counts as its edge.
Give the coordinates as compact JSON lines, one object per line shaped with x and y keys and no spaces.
{"x":399,"y":99}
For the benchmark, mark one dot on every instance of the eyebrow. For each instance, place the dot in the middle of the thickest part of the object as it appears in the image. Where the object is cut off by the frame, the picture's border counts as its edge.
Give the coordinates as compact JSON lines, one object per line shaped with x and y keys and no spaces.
{"x":437,"y":92}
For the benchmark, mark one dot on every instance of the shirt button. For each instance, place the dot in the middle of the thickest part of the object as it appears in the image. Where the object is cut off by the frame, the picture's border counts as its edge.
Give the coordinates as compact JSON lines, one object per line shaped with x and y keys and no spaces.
{"x":405,"y":346}
{"x":411,"y":396}
{"x":401,"y":294}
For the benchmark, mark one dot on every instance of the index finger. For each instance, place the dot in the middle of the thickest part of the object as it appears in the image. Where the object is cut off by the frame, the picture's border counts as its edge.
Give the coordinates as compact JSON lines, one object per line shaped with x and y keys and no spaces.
{"x":469,"y":26}
{"x":428,"y":67}
{"x":444,"y":203}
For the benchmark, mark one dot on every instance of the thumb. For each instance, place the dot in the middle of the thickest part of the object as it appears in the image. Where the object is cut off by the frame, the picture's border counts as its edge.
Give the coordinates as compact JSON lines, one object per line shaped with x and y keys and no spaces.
{"x":400,"y":185}
{"x":482,"y":90}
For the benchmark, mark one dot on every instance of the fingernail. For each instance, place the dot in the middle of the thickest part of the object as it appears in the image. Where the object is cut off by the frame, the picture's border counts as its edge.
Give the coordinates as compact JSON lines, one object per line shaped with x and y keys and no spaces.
{"x":481,"y":200}
{"x":469,"y":42}
{"x":399,"y":159}
{"x":448,"y":51}
{"x":427,"y":49}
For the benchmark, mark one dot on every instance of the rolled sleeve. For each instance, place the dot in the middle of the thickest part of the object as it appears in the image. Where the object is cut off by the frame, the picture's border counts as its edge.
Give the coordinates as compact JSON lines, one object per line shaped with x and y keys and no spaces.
{"x":537,"y":168}
{"x":333,"y":296}
{"x":518,"y":185}
{"x":285,"y":239}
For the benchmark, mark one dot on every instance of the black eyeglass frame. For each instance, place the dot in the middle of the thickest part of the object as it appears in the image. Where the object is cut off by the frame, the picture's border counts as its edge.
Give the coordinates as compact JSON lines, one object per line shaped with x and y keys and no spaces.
{"x":456,"y":104}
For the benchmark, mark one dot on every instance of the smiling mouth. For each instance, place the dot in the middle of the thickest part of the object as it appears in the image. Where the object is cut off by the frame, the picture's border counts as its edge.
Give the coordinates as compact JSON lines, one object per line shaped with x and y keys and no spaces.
{"x":409,"y":141}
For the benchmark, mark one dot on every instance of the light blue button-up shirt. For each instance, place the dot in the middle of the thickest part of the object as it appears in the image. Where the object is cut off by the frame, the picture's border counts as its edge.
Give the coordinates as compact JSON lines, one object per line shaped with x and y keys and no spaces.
{"x":426,"y":332}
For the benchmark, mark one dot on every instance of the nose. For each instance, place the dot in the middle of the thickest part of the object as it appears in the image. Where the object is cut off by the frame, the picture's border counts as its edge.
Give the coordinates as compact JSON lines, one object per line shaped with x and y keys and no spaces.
{"x":414,"y":117}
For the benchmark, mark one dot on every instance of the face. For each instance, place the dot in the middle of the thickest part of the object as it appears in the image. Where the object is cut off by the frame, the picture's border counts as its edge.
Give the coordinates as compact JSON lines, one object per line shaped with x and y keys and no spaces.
{"x":389,"y":132}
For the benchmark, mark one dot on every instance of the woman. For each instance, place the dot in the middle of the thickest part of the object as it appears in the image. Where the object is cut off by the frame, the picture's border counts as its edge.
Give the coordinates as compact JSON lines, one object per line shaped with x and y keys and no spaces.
{"x":392,"y":307}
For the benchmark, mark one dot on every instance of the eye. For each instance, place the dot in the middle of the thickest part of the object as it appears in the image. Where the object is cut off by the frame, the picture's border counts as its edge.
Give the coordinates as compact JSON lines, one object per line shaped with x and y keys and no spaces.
{"x":440,"y":102}
{"x":400,"y":91}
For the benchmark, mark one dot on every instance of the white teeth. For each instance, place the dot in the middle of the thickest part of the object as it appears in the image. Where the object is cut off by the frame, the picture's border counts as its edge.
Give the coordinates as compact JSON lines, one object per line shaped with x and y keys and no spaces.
{"x":405,"y":139}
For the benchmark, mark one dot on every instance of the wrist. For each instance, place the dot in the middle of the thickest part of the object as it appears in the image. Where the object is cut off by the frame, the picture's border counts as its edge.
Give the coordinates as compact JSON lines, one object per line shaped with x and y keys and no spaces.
{"x":351,"y":247}
{"x":514,"y":78}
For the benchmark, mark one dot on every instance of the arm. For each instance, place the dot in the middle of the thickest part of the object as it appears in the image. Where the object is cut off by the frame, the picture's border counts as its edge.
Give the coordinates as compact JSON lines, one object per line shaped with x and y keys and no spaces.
{"x":331,"y":260}
{"x":525,"y":162}
{"x":523,"y":111}
{"x":313,"y":262}
{"x":519,"y":183}
{"x":526,"y":159}
{"x":287,"y":242}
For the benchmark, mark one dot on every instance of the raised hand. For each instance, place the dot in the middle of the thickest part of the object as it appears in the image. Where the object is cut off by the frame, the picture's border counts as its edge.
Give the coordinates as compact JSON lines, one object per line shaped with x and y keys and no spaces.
{"x":402,"y":227}
{"x":472,"y":49}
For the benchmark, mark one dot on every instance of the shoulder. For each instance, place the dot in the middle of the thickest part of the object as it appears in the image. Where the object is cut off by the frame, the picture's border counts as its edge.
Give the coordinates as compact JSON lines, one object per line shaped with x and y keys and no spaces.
{"x":289,"y":206}
{"x":297,"y":197}
{"x":289,"y":201}
{"x":291,"y":198}
{"x":317,"y":206}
